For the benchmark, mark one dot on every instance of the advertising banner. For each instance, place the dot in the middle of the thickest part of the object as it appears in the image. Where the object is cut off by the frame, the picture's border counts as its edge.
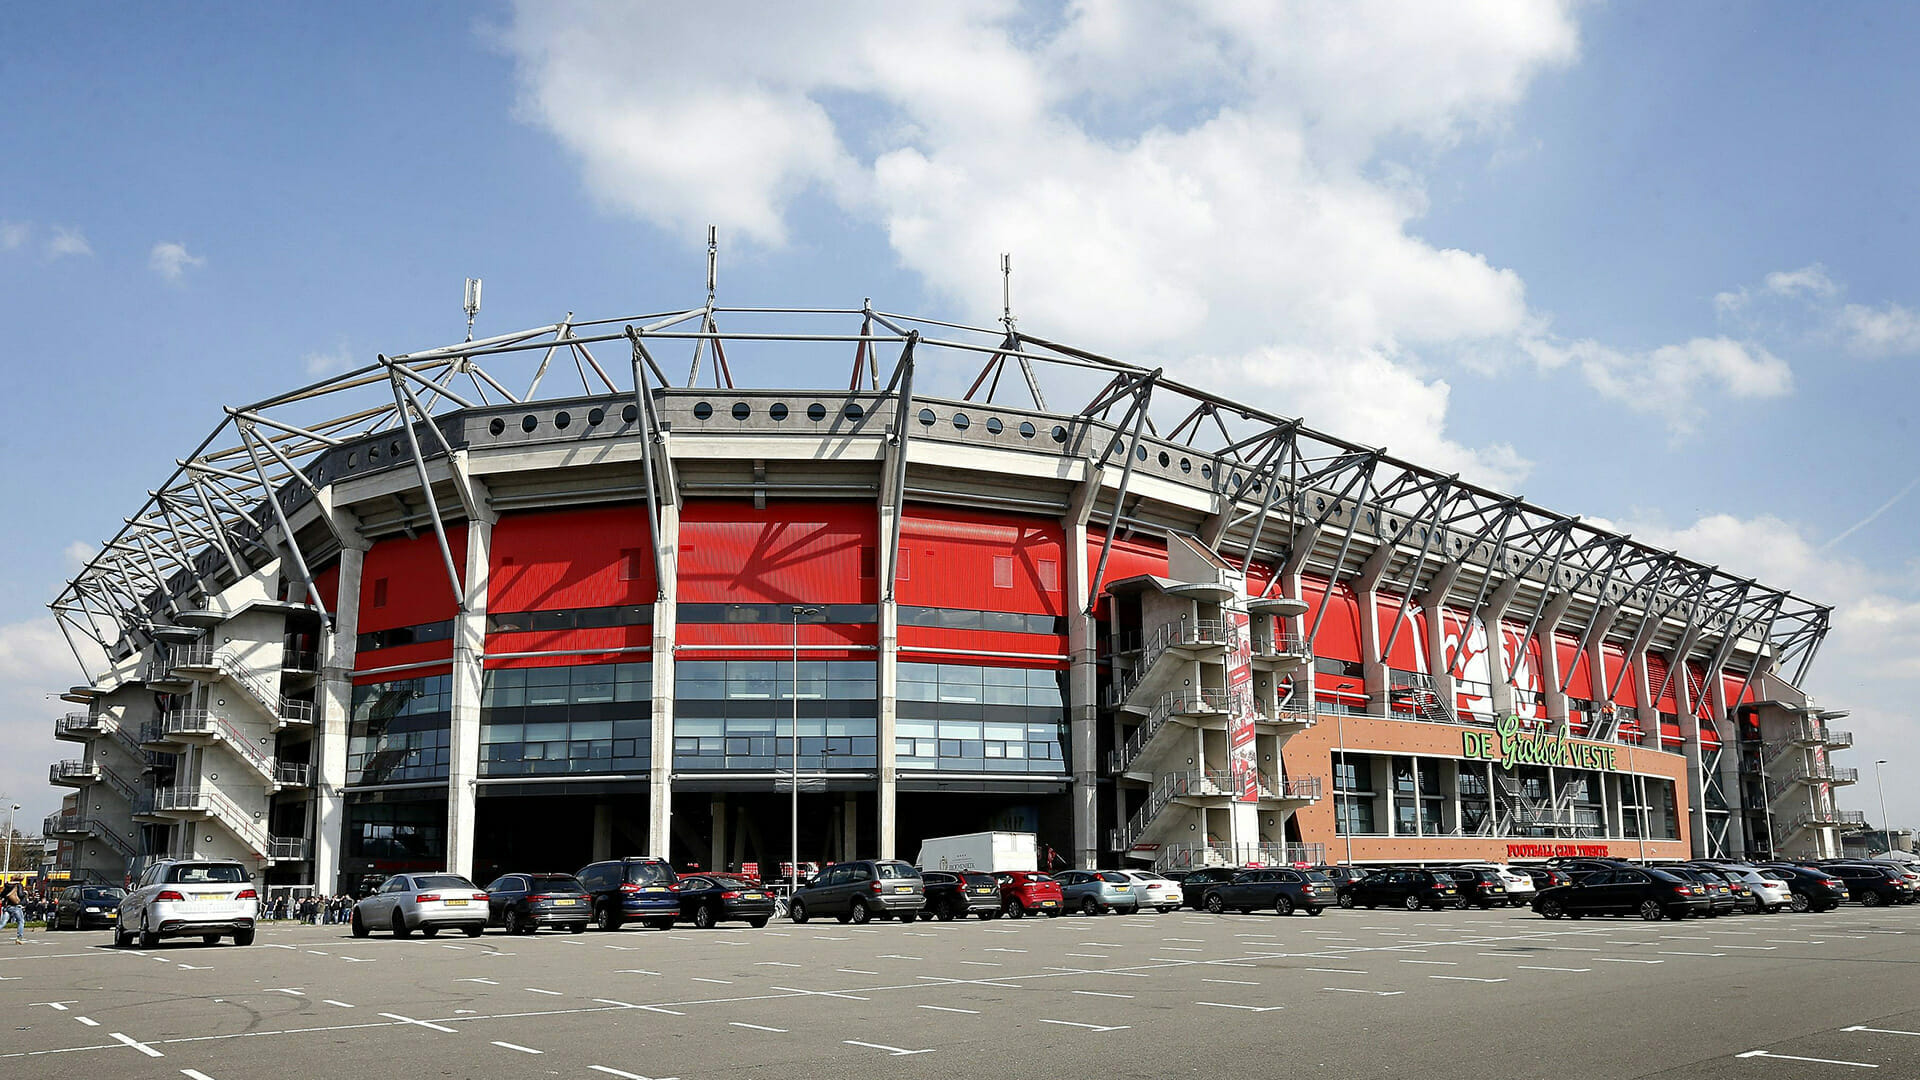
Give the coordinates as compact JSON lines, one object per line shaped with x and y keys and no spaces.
{"x":1241,"y":756}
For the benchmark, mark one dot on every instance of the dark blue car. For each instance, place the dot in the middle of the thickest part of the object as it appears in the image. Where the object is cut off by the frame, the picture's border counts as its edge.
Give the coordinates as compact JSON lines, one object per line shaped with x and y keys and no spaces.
{"x":632,"y":890}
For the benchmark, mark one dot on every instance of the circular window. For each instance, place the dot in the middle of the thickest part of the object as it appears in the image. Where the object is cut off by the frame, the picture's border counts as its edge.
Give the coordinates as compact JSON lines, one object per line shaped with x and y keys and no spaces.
{"x":1254,"y":487}
{"x":816,"y":411}
{"x":1186,"y":465}
{"x":1206,"y":472}
{"x":853,"y":411}
{"x":927,"y":418}
{"x":994,"y":426}
{"x":1319,"y":505}
{"x":562,"y":419}
{"x":1370,"y":520}
{"x":1166,"y":459}
{"x":703,"y":411}
{"x":529,"y":422}
{"x":373,"y":454}
{"x":630,"y":413}
{"x":1234,"y":481}
{"x":742,"y":410}
{"x":1026,"y":429}
{"x":393,"y":448}
{"x":596,"y":417}
{"x":777,"y":410}
{"x":353,"y":459}
{"x":1059,"y":434}
{"x":960,"y":421}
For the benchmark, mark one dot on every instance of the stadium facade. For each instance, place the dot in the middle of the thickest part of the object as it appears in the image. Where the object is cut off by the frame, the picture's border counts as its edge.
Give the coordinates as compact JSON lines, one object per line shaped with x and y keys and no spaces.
{"x":512,"y":603}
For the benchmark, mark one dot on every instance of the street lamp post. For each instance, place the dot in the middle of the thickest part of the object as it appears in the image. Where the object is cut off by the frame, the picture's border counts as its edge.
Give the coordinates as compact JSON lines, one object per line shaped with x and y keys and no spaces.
{"x":793,"y":875}
{"x":6,"y":861}
{"x":1886,"y":827}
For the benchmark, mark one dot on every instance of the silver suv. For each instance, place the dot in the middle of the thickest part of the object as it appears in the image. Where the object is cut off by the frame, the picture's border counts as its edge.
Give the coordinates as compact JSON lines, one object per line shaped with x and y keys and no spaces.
{"x":860,"y":891}
{"x":207,"y":899}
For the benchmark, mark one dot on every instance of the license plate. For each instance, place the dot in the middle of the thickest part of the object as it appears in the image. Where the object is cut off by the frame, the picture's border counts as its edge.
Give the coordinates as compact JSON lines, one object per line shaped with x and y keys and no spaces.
{"x":1046,"y":903}
{"x":902,"y":888}
{"x":559,"y":903}
{"x":653,"y":888}
{"x":1121,"y":888}
{"x":456,"y":903}
{"x":984,"y":892}
{"x":756,"y":896}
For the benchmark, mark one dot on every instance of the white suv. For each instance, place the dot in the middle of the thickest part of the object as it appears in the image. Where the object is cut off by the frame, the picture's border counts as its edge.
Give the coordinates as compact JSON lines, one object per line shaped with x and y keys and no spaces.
{"x":189,"y":898}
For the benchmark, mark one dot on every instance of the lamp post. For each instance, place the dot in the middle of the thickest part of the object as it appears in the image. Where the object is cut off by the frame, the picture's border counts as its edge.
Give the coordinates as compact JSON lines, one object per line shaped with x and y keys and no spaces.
{"x":793,"y":876}
{"x":1340,"y":728}
{"x":6,"y":861}
{"x":1886,"y":827}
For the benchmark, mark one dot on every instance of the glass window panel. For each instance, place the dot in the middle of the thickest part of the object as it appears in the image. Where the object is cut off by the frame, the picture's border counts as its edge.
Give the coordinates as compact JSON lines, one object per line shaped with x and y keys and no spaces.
{"x":593,"y":729}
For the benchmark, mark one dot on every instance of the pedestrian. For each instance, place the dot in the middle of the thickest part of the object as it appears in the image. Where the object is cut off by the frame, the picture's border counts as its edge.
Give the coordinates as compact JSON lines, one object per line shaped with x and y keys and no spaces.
{"x":13,"y":906}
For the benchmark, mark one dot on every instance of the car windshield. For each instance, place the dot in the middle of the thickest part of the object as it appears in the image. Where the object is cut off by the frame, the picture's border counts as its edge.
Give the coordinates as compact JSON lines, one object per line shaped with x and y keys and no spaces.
{"x":102,"y":894}
{"x":558,"y":883}
{"x":893,"y":870}
{"x":734,"y":883}
{"x":649,"y":873}
{"x":205,"y":874}
{"x":442,"y":881}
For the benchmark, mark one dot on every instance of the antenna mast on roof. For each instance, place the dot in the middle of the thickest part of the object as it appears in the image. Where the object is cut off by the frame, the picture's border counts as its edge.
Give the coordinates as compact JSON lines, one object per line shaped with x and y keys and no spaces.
{"x":713,"y":259}
{"x":472,"y":303}
{"x":1006,"y":292}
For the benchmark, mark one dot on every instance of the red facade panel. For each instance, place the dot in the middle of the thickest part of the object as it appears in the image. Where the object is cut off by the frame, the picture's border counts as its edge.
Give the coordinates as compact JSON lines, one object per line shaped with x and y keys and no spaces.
{"x":1657,"y":672}
{"x":1626,"y":693}
{"x":404,"y":582}
{"x":1338,"y":634}
{"x":1524,"y":669}
{"x":1574,"y":668}
{"x":1408,"y":653}
{"x":986,"y":562}
{"x":1128,"y":557}
{"x":326,"y":583}
{"x":601,"y":557}
{"x":1739,"y":689}
{"x":790,"y":552}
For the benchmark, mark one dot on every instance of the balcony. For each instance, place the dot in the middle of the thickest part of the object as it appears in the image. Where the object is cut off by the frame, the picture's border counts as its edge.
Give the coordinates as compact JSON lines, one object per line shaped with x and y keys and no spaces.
{"x":292,"y":774}
{"x":1189,"y":638}
{"x":1839,"y":740}
{"x":1193,"y":856}
{"x":300,"y":661}
{"x":73,"y":773}
{"x":63,"y":825}
{"x":80,"y":726}
{"x":286,"y":849}
{"x":1281,"y":652}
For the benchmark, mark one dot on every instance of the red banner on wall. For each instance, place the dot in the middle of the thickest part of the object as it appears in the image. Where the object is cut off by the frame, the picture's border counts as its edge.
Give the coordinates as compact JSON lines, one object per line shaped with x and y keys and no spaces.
{"x":1241,"y":756}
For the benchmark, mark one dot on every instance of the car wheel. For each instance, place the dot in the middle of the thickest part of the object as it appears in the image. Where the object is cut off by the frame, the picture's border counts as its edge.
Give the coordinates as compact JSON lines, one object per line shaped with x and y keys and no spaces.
{"x":473,"y":931}
{"x":359,"y":925}
{"x":1800,"y":903}
{"x":757,"y":923}
{"x":704,"y":917}
{"x":951,"y":911}
{"x":209,"y":939}
{"x":1872,"y":899}
{"x":1089,"y":906}
{"x":797,"y":911}
{"x":1315,"y":910}
{"x":400,"y":926}
{"x":1016,"y":910}
{"x":121,"y":940}
{"x":1413,"y":903}
{"x":1283,"y":905}
{"x":429,"y":931}
{"x":859,"y":915}
{"x":1650,"y":910}
{"x":243,"y":937}
{"x":1552,"y":908}
{"x":515,"y":926}
{"x":148,"y":939}
{"x":1346,"y":901}
{"x":605,"y":919}
{"x":1214,"y":904}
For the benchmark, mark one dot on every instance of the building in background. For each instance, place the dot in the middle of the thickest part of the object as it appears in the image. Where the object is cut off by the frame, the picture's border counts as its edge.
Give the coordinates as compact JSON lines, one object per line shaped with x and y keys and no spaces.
{"x":493,"y":604}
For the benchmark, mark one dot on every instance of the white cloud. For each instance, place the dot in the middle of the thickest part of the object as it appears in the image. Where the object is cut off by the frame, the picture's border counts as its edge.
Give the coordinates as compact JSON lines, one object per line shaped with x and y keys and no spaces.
{"x":1891,"y":330}
{"x":35,"y":666}
{"x":1184,"y":185}
{"x":78,"y":553}
{"x":1808,"y":302}
{"x":1870,"y":662}
{"x":1670,"y":381}
{"x":67,"y":241}
{"x":330,"y":362}
{"x":172,"y":261}
{"x":14,"y":234}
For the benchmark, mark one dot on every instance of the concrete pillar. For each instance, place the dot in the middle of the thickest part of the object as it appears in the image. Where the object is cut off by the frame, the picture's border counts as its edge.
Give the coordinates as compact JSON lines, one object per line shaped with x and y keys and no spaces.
{"x":335,"y":706}
{"x":887,"y":686}
{"x":1083,"y":685}
{"x":850,"y":826}
{"x":717,"y":847}
{"x":1683,"y":702}
{"x":1551,"y":673}
{"x":1728,"y":773}
{"x":1643,"y":693}
{"x":1373,"y":662}
{"x":1499,"y":671}
{"x":463,"y":741}
{"x":665,"y":608}
{"x":1433,"y":603}
{"x":602,"y":831}
{"x":1600,"y":678}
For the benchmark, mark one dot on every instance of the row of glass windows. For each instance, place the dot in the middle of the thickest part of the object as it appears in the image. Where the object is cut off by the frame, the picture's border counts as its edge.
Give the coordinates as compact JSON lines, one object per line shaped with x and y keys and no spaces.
{"x":971,"y":684}
{"x":412,"y":831}
{"x":1012,"y":622}
{"x":1424,"y":795}
{"x":582,"y":685}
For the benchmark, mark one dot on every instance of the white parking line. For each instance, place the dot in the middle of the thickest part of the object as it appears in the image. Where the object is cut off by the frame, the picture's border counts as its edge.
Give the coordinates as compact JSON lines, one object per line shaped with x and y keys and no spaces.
{"x":1532,"y":967}
{"x":1357,"y":990}
{"x":135,"y":1043}
{"x":1089,"y":1027}
{"x":1445,"y":963}
{"x":622,"y":1074}
{"x":1790,"y":1057}
{"x":894,"y":1050}
{"x":517,"y":1046}
{"x":489,"y":982}
{"x":422,"y":1023}
{"x":1232,"y":982}
{"x":88,"y":1020}
{"x":1880,"y":1031}
{"x":537,"y":990}
{"x":856,"y":971}
{"x":757,"y":1027}
{"x":1618,"y":960}
{"x":774,"y":963}
{"x":1341,"y":971}
{"x":1676,"y":952}
{"x":1464,"y":978}
{"x":1245,"y":1008}
{"x":1096,"y":993}
{"x":635,"y":971}
{"x":946,"y":1008}
{"x":341,"y":1004}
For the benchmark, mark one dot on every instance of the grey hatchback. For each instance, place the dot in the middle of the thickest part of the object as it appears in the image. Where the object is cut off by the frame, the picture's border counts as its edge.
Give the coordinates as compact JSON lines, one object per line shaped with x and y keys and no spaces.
{"x":860,"y":891}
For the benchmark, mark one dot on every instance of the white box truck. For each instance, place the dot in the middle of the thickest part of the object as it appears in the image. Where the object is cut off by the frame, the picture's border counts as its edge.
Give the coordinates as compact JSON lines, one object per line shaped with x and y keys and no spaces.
{"x":987,"y":852}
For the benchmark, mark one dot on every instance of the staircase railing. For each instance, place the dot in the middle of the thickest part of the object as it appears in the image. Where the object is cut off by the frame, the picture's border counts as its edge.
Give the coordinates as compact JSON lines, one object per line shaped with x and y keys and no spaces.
{"x":1185,"y":702}
{"x":202,"y":722}
{"x":222,"y":809}
{"x":1417,"y":690}
{"x":292,"y":773}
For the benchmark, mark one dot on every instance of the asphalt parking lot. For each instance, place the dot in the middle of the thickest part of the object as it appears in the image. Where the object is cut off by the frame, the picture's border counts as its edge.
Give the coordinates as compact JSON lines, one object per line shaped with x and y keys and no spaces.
{"x":1473,"y":994}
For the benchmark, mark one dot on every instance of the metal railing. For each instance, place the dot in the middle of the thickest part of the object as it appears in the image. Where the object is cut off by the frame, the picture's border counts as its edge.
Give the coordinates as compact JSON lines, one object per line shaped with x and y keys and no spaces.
{"x":1807,"y":773}
{"x":180,"y":800}
{"x":85,"y":724}
{"x":73,"y":771}
{"x":286,"y":848}
{"x":202,"y":722}
{"x":300,"y":660}
{"x":292,"y":773}
{"x":1286,"y":644}
{"x":1296,"y":787}
{"x":1187,"y":633}
{"x":1839,"y":740}
{"x":1217,"y":699}
{"x":89,"y":825}
{"x":1188,"y":856}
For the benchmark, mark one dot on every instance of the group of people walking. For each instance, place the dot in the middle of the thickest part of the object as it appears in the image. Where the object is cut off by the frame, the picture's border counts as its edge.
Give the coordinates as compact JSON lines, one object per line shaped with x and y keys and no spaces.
{"x":313,"y":910}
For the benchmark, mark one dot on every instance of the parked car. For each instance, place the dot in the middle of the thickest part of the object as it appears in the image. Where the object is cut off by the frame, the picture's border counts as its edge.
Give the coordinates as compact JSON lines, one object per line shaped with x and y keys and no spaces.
{"x":86,"y":907}
{"x":199,"y":898}
{"x":1198,"y":883}
{"x":1770,"y":893}
{"x":1097,"y":892}
{"x":428,"y":903}
{"x":958,"y":894}
{"x":1411,"y":889}
{"x":861,"y":891}
{"x":1480,"y":886}
{"x":523,"y":903}
{"x":1160,"y":893}
{"x":709,"y":899}
{"x":1545,"y":877}
{"x":1285,"y":891}
{"x":1810,"y":889}
{"x":1720,"y":898}
{"x":632,"y":890}
{"x":1870,"y":885}
{"x":1024,"y":892}
{"x":1519,"y":886}
{"x":1340,"y":875}
{"x":1653,"y":894}
{"x":1736,"y":879}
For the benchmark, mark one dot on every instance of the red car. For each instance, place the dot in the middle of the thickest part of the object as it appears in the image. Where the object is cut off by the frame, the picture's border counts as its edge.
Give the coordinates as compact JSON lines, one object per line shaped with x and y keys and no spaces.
{"x":1027,"y":891}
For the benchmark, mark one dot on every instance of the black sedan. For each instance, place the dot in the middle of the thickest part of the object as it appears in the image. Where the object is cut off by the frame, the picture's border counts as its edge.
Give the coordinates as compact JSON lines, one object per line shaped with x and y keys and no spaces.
{"x":958,"y":894}
{"x":710,"y":899}
{"x":1812,"y":887}
{"x":1485,"y":888}
{"x":1282,"y":890}
{"x":523,"y":903}
{"x":1630,"y":890}
{"x":86,"y":907}
{"x":1411,"y":889}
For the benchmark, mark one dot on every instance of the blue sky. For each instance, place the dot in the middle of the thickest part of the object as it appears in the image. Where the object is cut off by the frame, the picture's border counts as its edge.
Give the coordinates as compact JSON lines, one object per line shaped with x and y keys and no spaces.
{"x":1533,"y":244}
